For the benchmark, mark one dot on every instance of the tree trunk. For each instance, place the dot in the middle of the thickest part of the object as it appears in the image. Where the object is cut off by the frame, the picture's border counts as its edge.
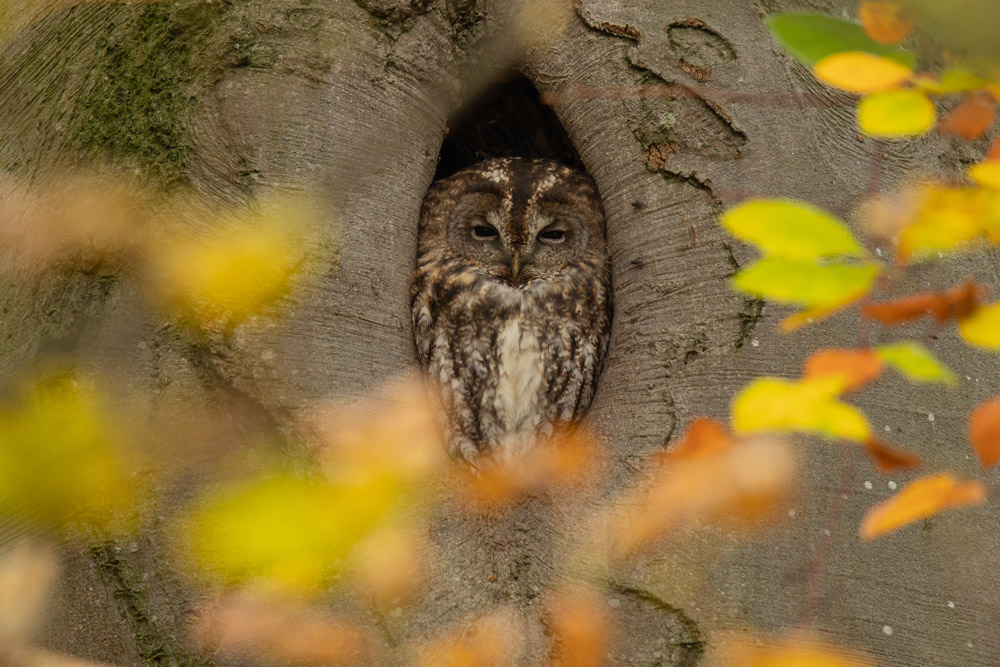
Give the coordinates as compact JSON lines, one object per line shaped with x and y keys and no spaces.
{"x":678,"y":110}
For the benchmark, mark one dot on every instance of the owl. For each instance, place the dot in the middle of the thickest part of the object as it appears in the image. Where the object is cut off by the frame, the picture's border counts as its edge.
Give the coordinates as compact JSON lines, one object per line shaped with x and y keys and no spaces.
{"x":511,"y":303}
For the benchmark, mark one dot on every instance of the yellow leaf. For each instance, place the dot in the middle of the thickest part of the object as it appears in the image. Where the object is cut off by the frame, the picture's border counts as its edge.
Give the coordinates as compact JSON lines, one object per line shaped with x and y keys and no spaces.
{"x":915,"y":362}
{"x":947,"y":219}
{"x":921,"y":498}
{"x":286,"y":531}
{"x":860,"y":72}
{"x":791,"y":229}
{"x":243,"y":264}
{"x":982,"y":329}
{"x":805,"y":283}
{"x":810,"y":405}
{"x":986,"y":174}
{"x":952,"y":80}
{"x":896,"y":113}
{"x":66,"y":461}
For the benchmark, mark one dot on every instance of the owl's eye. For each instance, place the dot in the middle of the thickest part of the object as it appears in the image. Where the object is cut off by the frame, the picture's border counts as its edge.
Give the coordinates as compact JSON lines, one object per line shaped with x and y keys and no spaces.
{"x":484,"y":233}
{"x":552,"y":236}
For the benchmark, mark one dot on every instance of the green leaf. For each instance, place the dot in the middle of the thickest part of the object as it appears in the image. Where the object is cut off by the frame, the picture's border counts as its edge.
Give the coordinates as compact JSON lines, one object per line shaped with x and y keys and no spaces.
{"x":790,"y":229}
{"x":896,"y":114}
{"x":805,"y":283}
{"x":812,"y":37}
{"x":915,"y":362}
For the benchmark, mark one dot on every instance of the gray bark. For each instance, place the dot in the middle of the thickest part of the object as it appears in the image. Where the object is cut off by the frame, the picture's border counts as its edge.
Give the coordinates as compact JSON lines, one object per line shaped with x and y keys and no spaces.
{"x":678,"y":110}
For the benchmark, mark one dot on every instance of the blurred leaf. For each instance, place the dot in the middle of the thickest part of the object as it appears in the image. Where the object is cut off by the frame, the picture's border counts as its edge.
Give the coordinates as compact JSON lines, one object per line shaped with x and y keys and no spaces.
{"x":90,"y":220}
{"x":704,"y":437}
{"x":982,"y":328}
{"x":27,"y":572}
{"x":811,"y":316}
{"x":886,"y":22}
{"x":67,"y":461}
{"x":920,"y":499}
{"x":580,"y":629}
{"x":278,"y":632}
{"x":558,"y":463}
{"x":243,"y":265}
{"x":947,"y":220}
{"x":739,"y":487}
{"x":915,"y":362}
{"x":986,"y":174}
{"x":812,"y":37}
{"x":805,"y":283}
{"x":791,"y":230}
{"x":957,"y":303}
{"x":888,"y":458}
{"x":747,"y":651}
{"x":388,"y":563}
{"x":860,"y":72}
{"x":984,"y":431}
{"x":810,"y":405}
{"x":296,"y":533}
{"x":284,"y":531}
{"x":542,"y":23}
{"x":952,"y":80}
{"x":970,"y":119}
{"x":856,"y":367}
{"x":896,"y":114}
{"x":493,"y":640}
{"x":994,"y":152}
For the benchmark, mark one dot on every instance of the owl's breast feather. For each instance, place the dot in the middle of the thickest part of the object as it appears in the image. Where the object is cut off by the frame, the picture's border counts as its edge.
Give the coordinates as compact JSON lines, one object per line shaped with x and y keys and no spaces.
{"x":520,"y":376}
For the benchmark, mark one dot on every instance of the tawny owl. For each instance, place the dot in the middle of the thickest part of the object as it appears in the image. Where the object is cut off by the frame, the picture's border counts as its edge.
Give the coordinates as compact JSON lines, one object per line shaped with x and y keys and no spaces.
{"x":511,"y":302}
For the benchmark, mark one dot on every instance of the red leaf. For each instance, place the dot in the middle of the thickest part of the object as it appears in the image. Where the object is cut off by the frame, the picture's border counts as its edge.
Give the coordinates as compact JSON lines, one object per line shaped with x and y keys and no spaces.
{"x":957,"y":303}
{"x":984,"y":431}
{"x":859,"y":367}
{"x":888,"y":458}
{"x":970,"y":119}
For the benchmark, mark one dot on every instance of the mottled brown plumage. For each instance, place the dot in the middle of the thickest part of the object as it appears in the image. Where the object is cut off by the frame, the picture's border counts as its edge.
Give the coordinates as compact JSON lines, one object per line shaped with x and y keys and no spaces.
{"x":511,"y":302}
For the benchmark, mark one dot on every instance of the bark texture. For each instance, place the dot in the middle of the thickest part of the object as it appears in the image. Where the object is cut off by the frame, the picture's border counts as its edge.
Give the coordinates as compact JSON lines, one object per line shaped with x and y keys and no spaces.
{"x":678,"y":110}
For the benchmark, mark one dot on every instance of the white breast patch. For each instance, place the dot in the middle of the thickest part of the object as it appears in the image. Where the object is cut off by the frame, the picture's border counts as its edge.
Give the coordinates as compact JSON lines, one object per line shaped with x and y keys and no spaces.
{"x":517,"y":392}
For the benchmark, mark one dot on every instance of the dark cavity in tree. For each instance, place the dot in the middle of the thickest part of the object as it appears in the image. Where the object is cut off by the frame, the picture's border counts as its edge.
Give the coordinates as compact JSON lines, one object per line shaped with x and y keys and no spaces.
{"x":508,"y":119}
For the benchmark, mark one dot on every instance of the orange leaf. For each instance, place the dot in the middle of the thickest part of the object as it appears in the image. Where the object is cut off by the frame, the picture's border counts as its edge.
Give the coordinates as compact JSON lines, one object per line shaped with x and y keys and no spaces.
{"x":580,"y":628}
{"x":984,"y":431}
{"x":277,"y":631}
{"x":738,"y":487}
{"x":797,"y":650}
{"x":858,"y":367}
{"x":970,"y":119}
{"x":888,"y":458}
{"x":884,"y":21}
{"x":704,"y":437}
{"x":957,"y":303}
{"x":994,"y":152}
{"x":492,"y":640}
{"x":920,"y":499}
{"x":558,"y":462}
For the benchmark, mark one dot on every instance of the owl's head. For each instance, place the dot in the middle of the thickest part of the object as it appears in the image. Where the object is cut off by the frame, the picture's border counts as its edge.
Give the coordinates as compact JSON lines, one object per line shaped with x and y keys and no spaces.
{"x":516,"y":220}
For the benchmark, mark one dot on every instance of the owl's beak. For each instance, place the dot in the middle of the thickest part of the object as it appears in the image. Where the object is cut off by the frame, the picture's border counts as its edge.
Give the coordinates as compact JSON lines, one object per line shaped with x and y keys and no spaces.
{"x":519,"y":260}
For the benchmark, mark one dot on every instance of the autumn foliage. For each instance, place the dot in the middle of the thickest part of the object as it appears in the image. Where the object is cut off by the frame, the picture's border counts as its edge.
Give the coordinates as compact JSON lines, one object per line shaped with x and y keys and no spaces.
{"x":345,"y":509}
